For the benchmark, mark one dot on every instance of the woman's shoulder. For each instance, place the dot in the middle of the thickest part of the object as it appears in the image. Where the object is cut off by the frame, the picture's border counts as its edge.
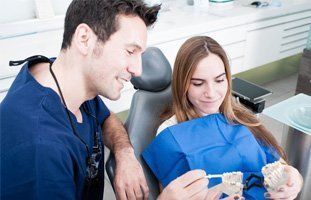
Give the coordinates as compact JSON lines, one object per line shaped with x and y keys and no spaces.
{"x":167,"y":123}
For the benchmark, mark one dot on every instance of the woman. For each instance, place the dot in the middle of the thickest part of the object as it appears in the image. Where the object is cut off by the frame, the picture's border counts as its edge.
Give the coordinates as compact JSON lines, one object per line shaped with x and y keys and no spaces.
{"x":208,"y":130}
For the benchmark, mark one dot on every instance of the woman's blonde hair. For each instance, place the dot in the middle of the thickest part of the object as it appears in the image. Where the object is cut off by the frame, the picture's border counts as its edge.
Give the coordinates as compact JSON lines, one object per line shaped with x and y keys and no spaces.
{"x":188,"y":57}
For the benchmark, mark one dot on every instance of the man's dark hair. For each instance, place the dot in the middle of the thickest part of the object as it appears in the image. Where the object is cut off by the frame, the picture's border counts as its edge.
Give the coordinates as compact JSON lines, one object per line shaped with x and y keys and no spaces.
{"x":101,"y":16}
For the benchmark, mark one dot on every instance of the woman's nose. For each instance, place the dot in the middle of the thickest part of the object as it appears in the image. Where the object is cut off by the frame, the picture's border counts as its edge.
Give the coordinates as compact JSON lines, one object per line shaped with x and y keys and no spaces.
{"x":209,"y":91}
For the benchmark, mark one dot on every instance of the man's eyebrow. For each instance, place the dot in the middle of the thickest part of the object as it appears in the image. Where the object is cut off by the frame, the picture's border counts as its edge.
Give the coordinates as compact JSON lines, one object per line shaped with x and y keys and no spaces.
{"x":137,"y":46}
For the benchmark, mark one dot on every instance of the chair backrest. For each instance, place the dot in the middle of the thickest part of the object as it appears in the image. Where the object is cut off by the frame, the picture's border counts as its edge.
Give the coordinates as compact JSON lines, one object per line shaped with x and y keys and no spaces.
{"x":152,"y":97}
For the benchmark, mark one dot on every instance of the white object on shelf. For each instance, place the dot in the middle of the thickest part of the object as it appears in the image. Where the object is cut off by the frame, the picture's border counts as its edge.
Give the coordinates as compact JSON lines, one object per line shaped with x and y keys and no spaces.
{"x":44,"y":9}
{"x":221,"y":4}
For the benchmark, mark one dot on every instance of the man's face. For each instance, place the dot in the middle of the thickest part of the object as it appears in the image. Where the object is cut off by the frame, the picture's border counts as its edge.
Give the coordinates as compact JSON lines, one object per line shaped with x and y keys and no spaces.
{"x":119,"y":58}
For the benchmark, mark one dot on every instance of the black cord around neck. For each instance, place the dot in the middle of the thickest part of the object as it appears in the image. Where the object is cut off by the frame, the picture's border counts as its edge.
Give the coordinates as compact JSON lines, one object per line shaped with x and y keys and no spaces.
{"x":68,"y":114}
{"x":96,"y":140}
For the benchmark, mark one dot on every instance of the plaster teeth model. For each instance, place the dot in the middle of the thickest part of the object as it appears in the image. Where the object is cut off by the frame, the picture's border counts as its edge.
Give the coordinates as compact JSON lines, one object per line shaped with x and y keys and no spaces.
{"x":231,"y":182}
{"x":274,"y":175}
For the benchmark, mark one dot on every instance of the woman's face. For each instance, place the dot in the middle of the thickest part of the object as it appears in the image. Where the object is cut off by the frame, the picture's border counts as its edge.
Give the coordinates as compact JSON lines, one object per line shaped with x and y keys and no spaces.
{"x":208,"y":85}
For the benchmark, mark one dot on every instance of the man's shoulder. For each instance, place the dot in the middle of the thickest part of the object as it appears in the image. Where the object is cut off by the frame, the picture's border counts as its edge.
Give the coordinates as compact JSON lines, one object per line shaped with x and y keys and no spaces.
{"x":22,"y":94}
{"x":30,"y":120}
{"x":21,"y":105}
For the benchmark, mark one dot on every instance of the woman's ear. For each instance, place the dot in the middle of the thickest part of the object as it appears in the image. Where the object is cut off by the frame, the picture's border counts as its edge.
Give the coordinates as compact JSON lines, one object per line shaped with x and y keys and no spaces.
{"x":84,"y":39}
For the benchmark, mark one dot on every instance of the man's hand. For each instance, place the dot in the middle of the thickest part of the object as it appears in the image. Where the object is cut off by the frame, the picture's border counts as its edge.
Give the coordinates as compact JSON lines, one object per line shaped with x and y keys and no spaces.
{"x":193,"y":186}
{"x":130,"y":182}
{"x":190,"y":186}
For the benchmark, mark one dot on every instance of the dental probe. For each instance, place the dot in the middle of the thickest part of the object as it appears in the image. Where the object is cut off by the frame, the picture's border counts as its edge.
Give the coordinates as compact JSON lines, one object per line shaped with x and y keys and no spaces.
{"x":209,"y":176}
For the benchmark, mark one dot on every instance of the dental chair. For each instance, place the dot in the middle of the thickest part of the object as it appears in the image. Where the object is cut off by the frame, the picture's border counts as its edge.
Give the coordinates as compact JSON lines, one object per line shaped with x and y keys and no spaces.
{"x":152,"y":97}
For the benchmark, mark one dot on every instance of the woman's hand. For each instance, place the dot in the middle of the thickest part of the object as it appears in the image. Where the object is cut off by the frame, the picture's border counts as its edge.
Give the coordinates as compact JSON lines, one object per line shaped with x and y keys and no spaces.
{"x":292,"y":187}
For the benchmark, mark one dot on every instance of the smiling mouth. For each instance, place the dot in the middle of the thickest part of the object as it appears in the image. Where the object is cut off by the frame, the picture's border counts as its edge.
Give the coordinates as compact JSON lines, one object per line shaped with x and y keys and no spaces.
{"x":122,"y":81}
{"x":210,"y":101}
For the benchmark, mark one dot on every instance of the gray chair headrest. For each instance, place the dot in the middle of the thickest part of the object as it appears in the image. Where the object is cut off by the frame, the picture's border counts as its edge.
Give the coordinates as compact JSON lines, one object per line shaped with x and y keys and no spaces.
{"x":157,"y":72}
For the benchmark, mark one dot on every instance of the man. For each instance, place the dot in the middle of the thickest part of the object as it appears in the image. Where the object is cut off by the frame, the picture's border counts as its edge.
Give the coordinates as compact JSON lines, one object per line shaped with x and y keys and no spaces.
{"x":53,"y":124}
{"x":52,"y":117}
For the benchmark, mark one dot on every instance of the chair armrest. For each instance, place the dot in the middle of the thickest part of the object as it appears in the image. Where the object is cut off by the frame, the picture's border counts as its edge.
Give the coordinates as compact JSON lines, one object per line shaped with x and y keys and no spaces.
{"x":110,"y":169}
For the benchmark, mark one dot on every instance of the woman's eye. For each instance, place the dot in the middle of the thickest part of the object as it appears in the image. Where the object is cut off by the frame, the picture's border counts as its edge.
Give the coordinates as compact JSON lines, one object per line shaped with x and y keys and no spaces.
{"x":197,"y":84}
{"x":219,"y":81}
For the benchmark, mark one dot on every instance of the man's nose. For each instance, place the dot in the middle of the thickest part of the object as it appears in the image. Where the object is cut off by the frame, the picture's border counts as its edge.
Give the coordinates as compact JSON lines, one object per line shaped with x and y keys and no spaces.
{"x":135,"y":67}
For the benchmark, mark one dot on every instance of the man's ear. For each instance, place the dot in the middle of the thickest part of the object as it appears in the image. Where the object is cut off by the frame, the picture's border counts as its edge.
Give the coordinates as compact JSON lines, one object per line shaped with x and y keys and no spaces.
{"x":84,"y":38}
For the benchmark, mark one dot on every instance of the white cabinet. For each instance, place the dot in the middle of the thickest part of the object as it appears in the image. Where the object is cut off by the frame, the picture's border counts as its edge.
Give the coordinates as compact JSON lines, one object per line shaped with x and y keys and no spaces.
{"x":170,"y":49}
{"x":262,"y":46}
{"x":231,"y":39}
{"x":251,"y":37}
{"x":295,"y":36}
{"x":277,"y":38}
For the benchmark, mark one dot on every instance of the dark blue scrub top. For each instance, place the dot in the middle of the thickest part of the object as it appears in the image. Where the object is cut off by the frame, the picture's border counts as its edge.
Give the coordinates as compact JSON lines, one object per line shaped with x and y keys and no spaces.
{"x":210,"y":143}
{"x":41,"y":158}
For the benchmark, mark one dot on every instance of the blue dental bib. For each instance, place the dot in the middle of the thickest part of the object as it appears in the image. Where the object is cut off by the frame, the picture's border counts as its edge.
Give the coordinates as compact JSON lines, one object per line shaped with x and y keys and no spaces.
{"x":210,"y":143}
